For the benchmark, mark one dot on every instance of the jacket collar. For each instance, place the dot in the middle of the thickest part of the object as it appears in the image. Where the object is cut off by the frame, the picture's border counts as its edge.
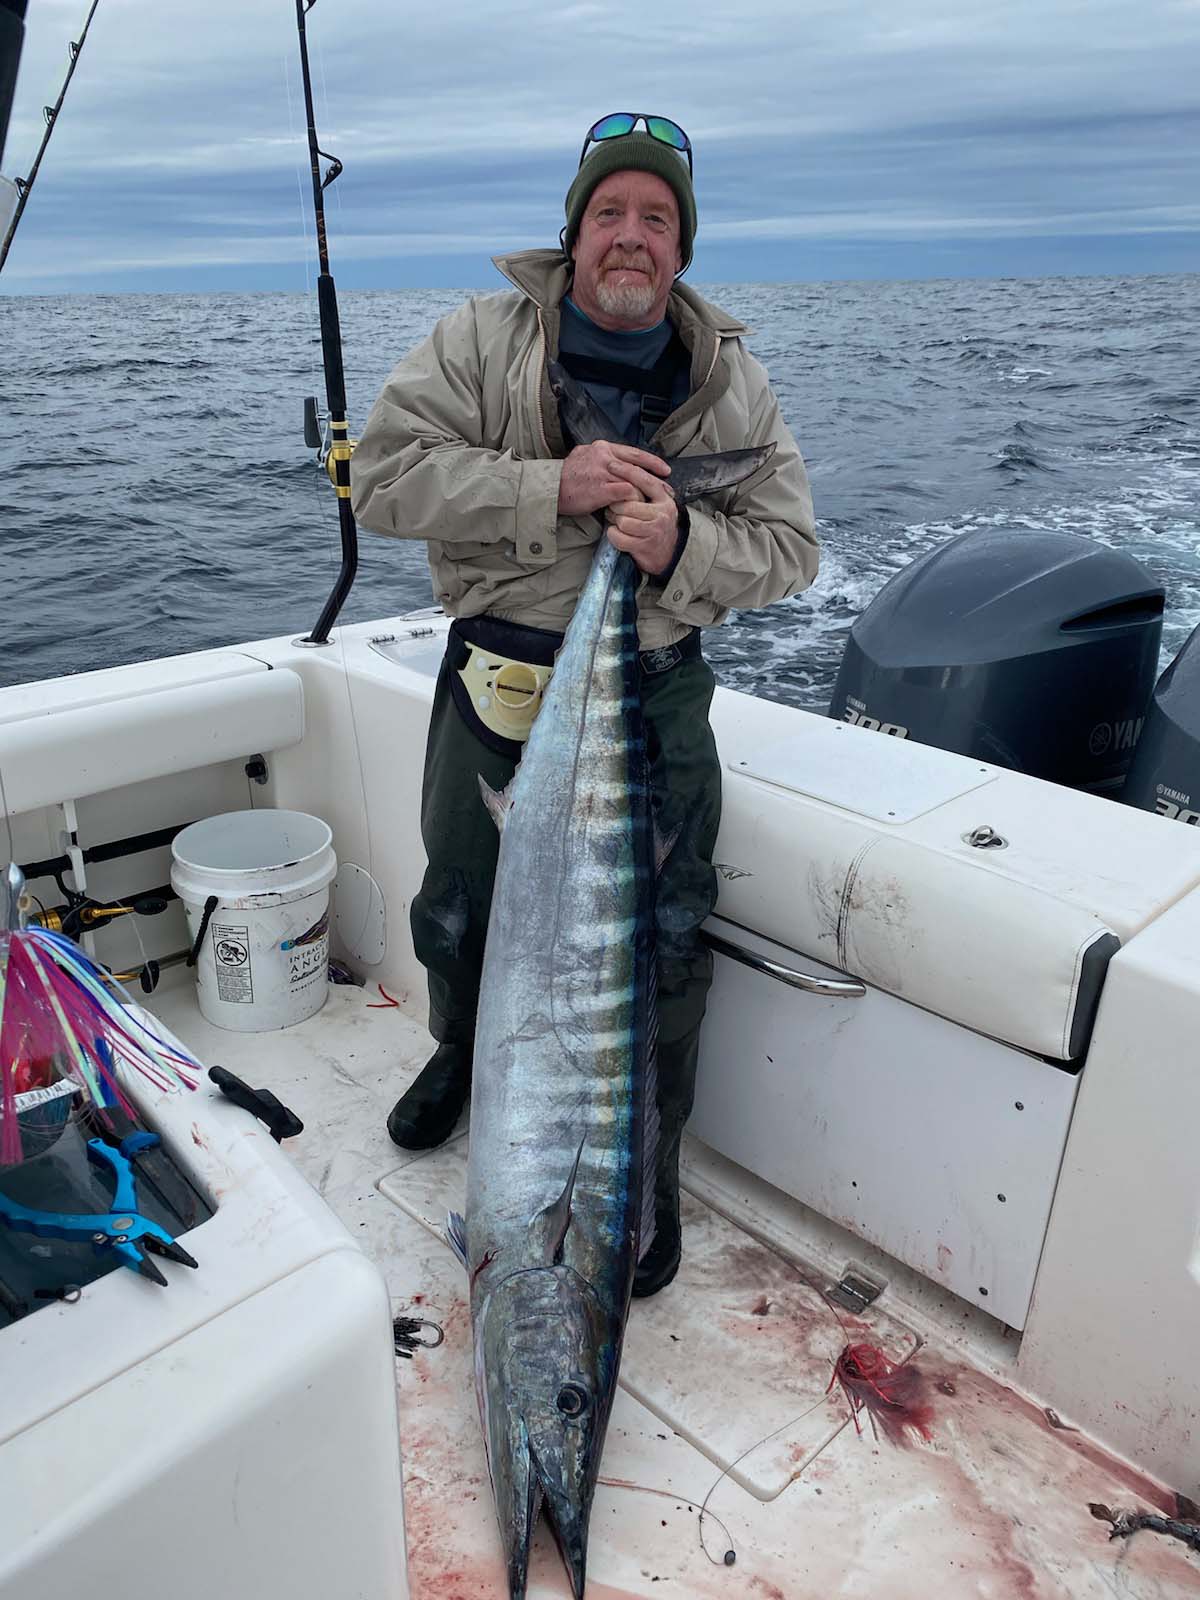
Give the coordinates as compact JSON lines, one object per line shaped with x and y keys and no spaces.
{"x":544,"y":276}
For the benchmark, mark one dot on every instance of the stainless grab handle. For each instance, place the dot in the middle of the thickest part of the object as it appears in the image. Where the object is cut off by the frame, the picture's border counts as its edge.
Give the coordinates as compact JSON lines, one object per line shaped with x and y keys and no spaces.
{"x":846,"y":988}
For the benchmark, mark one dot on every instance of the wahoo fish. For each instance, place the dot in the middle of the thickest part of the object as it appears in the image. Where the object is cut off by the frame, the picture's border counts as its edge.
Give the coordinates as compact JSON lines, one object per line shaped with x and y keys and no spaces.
{"x":564,"y":1125}
{"x":691,"y":476}
{"x":562,"y":1095}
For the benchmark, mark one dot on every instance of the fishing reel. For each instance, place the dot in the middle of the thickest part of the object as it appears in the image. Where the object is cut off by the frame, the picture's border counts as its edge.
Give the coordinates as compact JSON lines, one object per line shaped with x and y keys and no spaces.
{"x":82,"y":914}
{"x":318,"y":437}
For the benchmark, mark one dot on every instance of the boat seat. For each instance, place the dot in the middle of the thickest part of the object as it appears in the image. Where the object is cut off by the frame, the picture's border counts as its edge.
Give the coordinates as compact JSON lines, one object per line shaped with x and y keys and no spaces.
{"x":72,"y":737}
{"x":1001,"y":957}
{"x":884,"y":884}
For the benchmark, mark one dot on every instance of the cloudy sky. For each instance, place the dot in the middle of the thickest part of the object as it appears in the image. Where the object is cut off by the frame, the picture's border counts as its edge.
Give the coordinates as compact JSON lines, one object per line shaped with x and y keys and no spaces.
{"x":877,"y":139}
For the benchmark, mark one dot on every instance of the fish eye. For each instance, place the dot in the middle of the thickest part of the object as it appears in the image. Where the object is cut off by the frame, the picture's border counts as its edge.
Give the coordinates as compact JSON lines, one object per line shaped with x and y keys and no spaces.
{"x":572,"y":1400}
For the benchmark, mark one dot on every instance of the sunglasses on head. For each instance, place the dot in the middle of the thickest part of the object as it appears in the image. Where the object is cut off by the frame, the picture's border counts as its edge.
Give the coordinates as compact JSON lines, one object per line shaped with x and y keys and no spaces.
{"x":619,"y":123}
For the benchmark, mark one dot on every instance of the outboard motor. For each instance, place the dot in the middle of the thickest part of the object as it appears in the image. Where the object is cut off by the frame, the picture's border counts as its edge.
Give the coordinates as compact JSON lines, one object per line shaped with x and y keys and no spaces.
{"x":1165,"y":776}
{"x":1033,"y":650}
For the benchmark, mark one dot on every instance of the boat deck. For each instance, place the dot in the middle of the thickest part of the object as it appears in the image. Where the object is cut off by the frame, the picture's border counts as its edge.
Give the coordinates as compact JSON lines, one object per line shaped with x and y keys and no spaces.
{"x":724,"y":1392}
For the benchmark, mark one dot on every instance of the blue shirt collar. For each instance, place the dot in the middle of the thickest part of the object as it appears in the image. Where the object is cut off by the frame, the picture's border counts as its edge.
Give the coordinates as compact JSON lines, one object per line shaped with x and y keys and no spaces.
{"x":612,"y":333}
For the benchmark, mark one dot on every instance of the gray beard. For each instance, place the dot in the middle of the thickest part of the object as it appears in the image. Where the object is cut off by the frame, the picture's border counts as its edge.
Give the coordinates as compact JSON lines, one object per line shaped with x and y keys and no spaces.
{"x":624,"y":299}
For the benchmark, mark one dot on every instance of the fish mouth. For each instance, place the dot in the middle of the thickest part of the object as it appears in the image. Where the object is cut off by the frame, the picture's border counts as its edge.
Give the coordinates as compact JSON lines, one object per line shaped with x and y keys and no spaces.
{"x":568,"y":1523}
{"x":531,"y":1489}
{"x":524,"y":1497}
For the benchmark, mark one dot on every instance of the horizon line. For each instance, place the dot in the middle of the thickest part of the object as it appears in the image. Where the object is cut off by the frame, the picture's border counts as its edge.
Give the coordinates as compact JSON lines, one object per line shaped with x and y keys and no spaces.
{"x":732,"y":283}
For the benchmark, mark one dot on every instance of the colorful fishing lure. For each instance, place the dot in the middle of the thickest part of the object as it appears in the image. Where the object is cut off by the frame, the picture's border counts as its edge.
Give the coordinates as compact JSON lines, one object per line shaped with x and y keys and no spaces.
{"x":892,"y":1393}
{"x":64,"y":1018}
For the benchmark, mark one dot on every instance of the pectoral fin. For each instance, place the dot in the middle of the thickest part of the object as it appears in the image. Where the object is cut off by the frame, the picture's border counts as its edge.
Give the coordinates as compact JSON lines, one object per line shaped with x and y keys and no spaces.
{"x":548,"y":1229}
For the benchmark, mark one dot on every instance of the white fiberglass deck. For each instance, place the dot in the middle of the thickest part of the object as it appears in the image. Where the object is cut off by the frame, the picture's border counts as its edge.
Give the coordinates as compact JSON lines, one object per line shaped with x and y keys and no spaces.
{"x":741,"y":1345}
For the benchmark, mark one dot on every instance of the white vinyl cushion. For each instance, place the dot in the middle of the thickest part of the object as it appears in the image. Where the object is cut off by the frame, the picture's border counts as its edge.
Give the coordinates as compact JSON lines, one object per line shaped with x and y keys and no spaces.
{"x":79,"y":689}
{"x":993,"y":939}
{"x":67,"y":752}
{"x":906,"y":928}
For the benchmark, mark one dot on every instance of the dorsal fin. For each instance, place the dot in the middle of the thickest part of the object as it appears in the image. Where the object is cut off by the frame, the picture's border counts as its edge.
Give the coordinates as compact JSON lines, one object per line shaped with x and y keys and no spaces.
{"x":548,"y":1229}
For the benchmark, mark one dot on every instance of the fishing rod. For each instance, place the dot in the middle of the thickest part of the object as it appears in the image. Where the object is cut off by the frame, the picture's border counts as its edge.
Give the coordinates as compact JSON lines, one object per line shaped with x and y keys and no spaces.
{"x":50,"y":113}
{"x":337,"y":459}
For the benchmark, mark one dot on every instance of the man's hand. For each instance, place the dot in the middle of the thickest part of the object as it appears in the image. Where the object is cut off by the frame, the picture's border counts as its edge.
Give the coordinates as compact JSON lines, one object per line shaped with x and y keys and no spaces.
{"x":595,"y":476}
{"x":648,"y":528}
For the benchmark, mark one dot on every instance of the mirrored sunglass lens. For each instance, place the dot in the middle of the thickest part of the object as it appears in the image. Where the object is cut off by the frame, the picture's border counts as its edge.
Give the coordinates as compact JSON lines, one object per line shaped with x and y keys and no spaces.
{"x":667,"y":132}
{"x":611,"y":127}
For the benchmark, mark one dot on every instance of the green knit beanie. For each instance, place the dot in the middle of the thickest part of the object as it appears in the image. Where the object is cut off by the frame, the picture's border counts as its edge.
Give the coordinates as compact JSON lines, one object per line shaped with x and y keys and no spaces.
{"x":633,"y":152}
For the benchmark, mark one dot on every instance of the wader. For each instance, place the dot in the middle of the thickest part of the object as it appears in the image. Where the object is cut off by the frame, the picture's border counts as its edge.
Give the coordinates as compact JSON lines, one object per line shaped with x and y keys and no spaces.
{"x":450,"y":914}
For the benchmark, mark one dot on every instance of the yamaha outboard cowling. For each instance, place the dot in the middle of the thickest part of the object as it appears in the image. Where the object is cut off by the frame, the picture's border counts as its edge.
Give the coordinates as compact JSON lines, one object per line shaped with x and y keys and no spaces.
{"x":1033,"y":650}
{"x":1165,"y":776}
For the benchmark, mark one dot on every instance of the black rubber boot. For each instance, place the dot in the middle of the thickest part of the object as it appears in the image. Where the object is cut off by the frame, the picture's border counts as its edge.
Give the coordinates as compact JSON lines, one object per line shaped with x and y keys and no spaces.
{"x":661,"y":1261}
{"x":677,"y":1062}
{"x":425,"y":1115}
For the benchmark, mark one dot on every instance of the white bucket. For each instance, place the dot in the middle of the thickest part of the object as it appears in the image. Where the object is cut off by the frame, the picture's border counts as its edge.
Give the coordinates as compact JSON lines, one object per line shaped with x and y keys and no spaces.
{"x":264,"y":958}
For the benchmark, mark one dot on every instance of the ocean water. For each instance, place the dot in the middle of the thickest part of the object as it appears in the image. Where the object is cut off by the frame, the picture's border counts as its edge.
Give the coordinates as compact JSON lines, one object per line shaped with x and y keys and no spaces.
{"x":158,"y":496}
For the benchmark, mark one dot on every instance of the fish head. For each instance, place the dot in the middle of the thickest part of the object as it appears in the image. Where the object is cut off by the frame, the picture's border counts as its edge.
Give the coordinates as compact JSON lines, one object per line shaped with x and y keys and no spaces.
{"x":550,"y":1358}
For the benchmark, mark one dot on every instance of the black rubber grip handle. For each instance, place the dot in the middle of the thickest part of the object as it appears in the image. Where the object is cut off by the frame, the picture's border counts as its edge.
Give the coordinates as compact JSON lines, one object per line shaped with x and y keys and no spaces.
{"x":261,"y":1103}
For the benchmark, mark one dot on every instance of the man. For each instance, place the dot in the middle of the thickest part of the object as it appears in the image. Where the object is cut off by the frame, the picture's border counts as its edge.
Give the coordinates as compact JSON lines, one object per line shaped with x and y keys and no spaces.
{"x":465,"y":449}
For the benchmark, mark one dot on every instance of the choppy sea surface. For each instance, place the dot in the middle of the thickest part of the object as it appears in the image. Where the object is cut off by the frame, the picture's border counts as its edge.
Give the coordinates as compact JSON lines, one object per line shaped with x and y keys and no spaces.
{"x":158,"y":496}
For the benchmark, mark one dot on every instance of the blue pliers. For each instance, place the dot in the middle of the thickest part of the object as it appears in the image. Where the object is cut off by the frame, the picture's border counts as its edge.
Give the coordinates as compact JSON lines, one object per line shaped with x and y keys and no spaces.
{"x":123,"y":1229}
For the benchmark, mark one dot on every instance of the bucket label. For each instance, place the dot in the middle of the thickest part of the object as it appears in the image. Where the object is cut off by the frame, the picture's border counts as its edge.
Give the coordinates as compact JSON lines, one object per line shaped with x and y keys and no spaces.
{"x":231,"y":947}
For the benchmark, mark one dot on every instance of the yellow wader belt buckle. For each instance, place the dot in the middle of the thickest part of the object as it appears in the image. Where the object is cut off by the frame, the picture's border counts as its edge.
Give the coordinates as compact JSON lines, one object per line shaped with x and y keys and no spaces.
{"x":505,"y":695}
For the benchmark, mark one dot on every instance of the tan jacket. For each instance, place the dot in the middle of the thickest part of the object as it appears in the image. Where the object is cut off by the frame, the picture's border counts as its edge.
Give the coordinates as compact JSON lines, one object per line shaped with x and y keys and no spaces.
{"x":464,"y":449}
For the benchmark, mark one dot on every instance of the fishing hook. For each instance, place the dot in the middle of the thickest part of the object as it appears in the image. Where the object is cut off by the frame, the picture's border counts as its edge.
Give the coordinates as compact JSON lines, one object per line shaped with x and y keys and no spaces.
{"x":404,"y":1333}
